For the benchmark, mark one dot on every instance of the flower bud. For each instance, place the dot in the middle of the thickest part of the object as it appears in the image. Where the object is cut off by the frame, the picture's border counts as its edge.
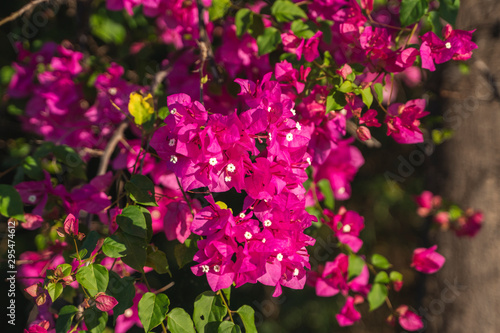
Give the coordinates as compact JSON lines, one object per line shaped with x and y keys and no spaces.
{"x":363,"y":133}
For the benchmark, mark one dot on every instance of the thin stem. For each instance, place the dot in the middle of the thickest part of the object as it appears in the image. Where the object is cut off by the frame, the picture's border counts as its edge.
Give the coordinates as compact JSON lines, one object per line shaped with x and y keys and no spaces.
{"x":411,"y":34}
{"x":225,"y":304}
{"x":184,"y":195}
{"x":106,"y":156}
{"x":21,"y":11}
{"x":149,"y":289}
{"x":77,"y":252}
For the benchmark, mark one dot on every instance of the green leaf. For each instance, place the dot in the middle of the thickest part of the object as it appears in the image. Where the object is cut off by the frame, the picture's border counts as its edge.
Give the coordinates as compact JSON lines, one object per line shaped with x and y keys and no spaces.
{"x":380,"y":261}
{"x":242,"y":20}
{"x":94,"y":278}
{"x":132,"y":222}
{"x":302,"y":29}
{"x":11,"y":204}
{"x":136,"y":255}
{"x":382,"y":278}
{"x":65,"y":318}
{"x":411,"y":11}
{"x":152,"y":310}
{"x":228,"y":327}
{"x":113,"y":248}
{"x":346,"y":87}
{"x":208,"y":307}
{"x":455,"y":212}
{"x":33,"y":168}
{"x":326,"y":188}
{"x":448,"y":10}
{"x":286,"y":11}
{"x":218,"y":9}
{"x":142,"y":190}
{"x":6,"y":74}
{"x":122,"y":289}
{"x":89,"y":244}
{"x":377,"y":296}
{"x":109,"y":31}
{"x":163,"y":113}
{"x":180,"y":322}
{"x":65,"y":269}
{"x":396,"y":276}
{"x":434,"y":20}
{"x":141,"y":107}
{"x":95,"y":320}
{"x":379,"y":91}
{"x":367,"y":96}
{"x":55,"y":290}
{"x":257,"y":27}
{"x":268,"y":41}
{"x":356,"y":264}
{"x":158,"y":261}
{"x":335,"y":101}
{"x":247,"y":315}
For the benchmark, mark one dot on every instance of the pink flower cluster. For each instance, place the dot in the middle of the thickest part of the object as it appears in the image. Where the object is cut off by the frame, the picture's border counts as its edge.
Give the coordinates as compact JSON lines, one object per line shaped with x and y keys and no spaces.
{"x":262,"y":151}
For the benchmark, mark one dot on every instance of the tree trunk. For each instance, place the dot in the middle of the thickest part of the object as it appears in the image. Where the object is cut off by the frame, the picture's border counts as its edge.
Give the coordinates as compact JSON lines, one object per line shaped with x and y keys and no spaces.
{"x":465,"y":295}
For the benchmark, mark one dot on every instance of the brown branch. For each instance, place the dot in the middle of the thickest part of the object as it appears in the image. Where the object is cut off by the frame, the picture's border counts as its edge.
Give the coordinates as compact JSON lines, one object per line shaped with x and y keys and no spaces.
{"x":103,"y":165}
{"x":21,"y":11}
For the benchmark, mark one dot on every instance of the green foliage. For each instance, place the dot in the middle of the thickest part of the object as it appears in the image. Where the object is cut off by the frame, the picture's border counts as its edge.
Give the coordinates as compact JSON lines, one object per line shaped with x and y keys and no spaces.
{"x":269,"y":40}
{"x":184,"y":252}
{"x":208,"y":307}
{"x":367,"y":96}
{"x":11,"y":204}
{"x":157,"y":260}
{"x":303,"y":29}
{"x":326,"y":188}
{"x":65,"y":318}
{"x":95,"y":320}
{"x":141,"y":190}
{"x":55,"y":290}
{"x":180,"y":322}
{"x":356,"y":264}
{"x":396,"y":276}
{"x":105,"y":28}
{"x":448,"y":10}
{"x":412,"y":11}
{"x":94,"y":278}
{"x":377,"y":295}
{"x":133,"y":222}
{"x":382,"y":278}
{"x":247,"y":315}
{"x":286,"y":11}
{"x":380,"y":261}
{"x":123,"y":290}
{"x":218,"y":9}
{"x":152,"y":310}
{"x":135,"y":254}
{"x":113,"y":248}
{"x":379,"y":92}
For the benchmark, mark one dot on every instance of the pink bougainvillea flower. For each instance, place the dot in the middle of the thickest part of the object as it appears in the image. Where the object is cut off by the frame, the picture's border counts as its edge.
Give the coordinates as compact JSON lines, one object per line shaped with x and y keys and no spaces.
{"x":403,"y":120}
{"x":427,"y":261}
{"x":470,"y":224}
{"x":348,"y":315}
{"x":71,"y":225}
{"x":408,"y":319}
{"x":426,"y":202}
{"x":105,"y":302}
{"x":41,"y":327}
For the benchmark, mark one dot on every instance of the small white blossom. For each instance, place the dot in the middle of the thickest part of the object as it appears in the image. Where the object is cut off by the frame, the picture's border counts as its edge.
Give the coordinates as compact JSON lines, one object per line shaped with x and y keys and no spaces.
{"x":173,"y":159}
{"x":112,"y":91}
{"x":212,"y":161}
{"x":32,"y":198}
{"x":173,"y":111}
{"x":227,"y":179}
{"x":267,"y":223}
{"x":279,"y":257}
{"x":346,"y":228}
{"x":341,"y":190}
{"x":295,"y":272}
{"x":128,"y":313}
{"x":268,"y":109}
{"x":230,"y":167}
{"x":217,"y":268}
{"x":263,"y":240}
{"x":308,"y":160}
{"x":343,"y":112}
{"x":289,"y":137}
{"x":171,"y":143}
{"x":205,"y":268}
{"x":298,"y":126}
{"x":448,"y":45}
{"x":270,"y":136}
{"x":292,"y":110}
{"x":248,"y":235}
{"x":242,"y":215}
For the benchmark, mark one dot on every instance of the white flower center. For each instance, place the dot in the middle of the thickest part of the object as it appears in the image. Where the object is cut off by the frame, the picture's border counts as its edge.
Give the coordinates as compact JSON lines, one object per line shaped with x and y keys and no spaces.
{"x":173,"y":159}
{"x":227,"y":178}
{"x":230,"y":167}
{"x":156,"y":214}
{"x":173,"y":111}
{"x":295,"y":272}
{"x":341,"y":190}
{"x":267,"y":223}
{"x":270,"y":136}
{"x":343,"y":112}
{"x":128,"y":313}
{"x":248,"y":235}
{"x":308,"y":160}
{"x":205,"y":268}
{"x":212,"y":161}
{"x":217,"y":268}
{"x":242,"y":215}
{"x":346,"y":228}
{"x":279,"y":257}
{"x":171,"y":143}
{"x":298,"y":126}
{"x":268,"y":109}
{"x":289,"y":137}
{"x":263,"y":240}
{"x":112,"y":91}
{"x":292,"y":110}
{"x":448,"y":45}
{"x":32,"y":198}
